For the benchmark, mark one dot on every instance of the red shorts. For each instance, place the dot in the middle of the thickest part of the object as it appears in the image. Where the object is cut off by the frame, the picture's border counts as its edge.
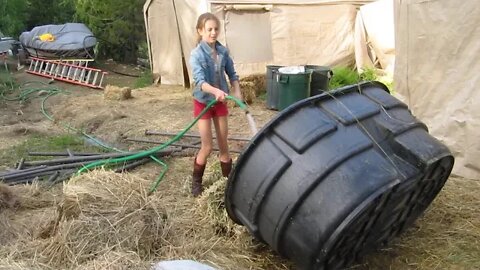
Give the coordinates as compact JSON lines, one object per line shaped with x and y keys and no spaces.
{"x":219,"y":109}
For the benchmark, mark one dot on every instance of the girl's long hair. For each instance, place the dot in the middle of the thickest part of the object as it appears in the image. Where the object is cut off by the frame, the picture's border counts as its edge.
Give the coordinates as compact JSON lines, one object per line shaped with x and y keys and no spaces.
{"x":202,"y":19}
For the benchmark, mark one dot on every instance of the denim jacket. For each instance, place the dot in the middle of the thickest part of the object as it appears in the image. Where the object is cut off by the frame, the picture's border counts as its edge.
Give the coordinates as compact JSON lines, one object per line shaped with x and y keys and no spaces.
{"x":203,"y":68}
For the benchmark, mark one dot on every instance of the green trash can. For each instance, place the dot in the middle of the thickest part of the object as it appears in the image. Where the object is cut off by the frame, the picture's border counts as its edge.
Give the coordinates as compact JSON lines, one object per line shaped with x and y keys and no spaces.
{"x":293,"y":87}
{"x":320,"y":78}
{"x":272,"y":87}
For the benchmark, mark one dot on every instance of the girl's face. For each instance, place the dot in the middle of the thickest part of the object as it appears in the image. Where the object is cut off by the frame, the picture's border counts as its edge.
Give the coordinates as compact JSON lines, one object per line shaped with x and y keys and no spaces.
{"x":209,"y":32}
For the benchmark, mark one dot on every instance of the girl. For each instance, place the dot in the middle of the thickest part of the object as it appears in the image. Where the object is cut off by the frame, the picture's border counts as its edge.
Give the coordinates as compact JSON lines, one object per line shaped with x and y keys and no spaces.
{"x":210,"y":61}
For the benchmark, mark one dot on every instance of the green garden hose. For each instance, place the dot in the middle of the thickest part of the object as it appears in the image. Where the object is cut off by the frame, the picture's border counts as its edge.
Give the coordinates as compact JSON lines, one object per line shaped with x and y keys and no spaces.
{"x":27,"y":93}
{"x":150,"y":152}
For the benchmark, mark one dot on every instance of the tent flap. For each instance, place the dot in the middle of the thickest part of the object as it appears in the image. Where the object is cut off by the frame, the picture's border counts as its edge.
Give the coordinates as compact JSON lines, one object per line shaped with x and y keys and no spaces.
{"x":437,"y":72}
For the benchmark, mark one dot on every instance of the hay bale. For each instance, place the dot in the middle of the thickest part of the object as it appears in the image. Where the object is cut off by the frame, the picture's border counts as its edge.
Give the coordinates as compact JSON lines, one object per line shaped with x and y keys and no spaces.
{"x":258,"y":81}
{"x":112,"y":92}
{"x":248,"y":91}
{"x":251,"y":87}
{"x":103,"y":211}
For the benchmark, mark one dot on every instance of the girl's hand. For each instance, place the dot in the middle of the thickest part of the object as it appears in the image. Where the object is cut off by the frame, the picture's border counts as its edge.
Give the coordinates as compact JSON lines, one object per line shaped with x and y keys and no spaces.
{"x":220,"y":95}
{"x":236,"y":90}
{"x":238,"y":95}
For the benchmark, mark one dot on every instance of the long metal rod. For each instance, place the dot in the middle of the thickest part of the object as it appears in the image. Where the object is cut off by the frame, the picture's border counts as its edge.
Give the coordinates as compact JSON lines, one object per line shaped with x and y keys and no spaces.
{"x":41,"y":171}
{"x":164,"y":152}
{"x":63,"y":177}
{"x":132,"y":165}
{"x":61,"y":154}
{"x":191,"y":135}
{"x":53,"y":176}
{"x":13,"y":172}
{"x":178,"y":144}
{"x":33,"y":175}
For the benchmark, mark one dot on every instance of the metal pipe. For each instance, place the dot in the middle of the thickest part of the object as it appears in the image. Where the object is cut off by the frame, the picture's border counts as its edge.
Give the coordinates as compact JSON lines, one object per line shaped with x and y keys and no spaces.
{"x":70,"y":153}
{"x":161,"y":153}
{"x":61,"y":154}
{"x":66,"y":174}
{"x":24,"y":170}
{"x":132,"y":165}
{"x":47,"y":170}
{"x":191,"y":135}
{"x":53,"y":176}
{"x":20,"y":163}
{"x":40,"y":171}
{"x":63,"y":176}
{"x":177,"y":144}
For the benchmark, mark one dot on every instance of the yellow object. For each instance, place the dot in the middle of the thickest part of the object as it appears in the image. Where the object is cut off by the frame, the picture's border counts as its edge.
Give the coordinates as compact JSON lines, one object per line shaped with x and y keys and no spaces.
{"x":47,"y":37}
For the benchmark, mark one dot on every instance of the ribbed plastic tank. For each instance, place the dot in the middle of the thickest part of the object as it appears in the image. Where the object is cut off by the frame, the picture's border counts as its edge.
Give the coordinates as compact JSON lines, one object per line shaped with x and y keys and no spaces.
{"x":335,"y":176}
{"x":272,"y":87}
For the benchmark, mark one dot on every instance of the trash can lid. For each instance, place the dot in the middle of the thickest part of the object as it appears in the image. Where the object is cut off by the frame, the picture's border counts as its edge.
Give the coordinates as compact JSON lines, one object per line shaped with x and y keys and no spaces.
{"x":292,"y":69}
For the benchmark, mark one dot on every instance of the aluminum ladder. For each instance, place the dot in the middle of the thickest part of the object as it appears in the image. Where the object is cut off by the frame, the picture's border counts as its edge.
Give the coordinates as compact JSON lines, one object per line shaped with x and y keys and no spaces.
{"x":74,"y":71}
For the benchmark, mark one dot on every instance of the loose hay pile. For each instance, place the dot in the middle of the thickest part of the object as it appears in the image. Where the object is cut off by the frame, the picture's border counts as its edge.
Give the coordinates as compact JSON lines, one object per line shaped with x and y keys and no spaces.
{"x":101,"y":215}
{"x":111,"y":210}
{"x":103,"y":220}
{"x":211,"y":208}
{"x":7,"y":199}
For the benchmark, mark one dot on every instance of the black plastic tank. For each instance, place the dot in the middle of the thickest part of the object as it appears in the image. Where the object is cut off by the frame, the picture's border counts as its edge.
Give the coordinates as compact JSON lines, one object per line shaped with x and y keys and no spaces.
{"x":320,"y":79}
{"x":337,"y":175}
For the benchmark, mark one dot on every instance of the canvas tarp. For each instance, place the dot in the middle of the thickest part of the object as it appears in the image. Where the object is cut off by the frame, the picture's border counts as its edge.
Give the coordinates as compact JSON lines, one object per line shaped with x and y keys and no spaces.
{"x":260,"y":33}
{"x":437,"y":73}
{"x":375,"y":36}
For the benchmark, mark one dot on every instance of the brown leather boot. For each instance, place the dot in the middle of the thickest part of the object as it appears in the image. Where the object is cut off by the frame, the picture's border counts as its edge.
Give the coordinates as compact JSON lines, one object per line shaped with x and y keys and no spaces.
{"x":226,"y":168}
{"x":197,"y":176}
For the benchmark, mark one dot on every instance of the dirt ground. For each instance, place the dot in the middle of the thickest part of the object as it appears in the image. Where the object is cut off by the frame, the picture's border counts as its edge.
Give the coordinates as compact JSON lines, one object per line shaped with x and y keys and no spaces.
{"x":431,"y":244}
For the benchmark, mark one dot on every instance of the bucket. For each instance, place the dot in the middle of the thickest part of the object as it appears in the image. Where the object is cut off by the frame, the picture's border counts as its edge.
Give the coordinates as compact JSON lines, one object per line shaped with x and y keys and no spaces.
{"x":337,"y":175}
{"x":272,"y":87}
{"x":293,"y":88}
{"x":320,"y":78}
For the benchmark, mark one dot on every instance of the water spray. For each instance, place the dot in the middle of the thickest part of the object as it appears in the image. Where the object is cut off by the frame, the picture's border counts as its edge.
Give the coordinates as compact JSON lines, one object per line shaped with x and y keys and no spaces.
{"x":243,"y":106}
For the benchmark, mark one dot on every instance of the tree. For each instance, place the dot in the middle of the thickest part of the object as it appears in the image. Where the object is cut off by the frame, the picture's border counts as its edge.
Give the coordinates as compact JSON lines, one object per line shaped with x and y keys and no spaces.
{"x":49,"y":12}
{"x":118,"y":24}
{"x":12,"y":14}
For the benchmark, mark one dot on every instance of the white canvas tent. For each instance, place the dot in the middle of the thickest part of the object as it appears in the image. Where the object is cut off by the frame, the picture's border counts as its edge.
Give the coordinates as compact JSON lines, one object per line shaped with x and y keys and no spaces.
{"x":375,"y":36}
{"x":437,"y":72}
{"x":257,"y":33}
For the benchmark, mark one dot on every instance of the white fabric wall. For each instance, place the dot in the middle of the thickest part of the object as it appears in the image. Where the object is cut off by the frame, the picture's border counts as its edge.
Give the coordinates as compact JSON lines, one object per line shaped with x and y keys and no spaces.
{"x":437,"y":72}
{"x":317,"y":32}
{"x":375,"y":36}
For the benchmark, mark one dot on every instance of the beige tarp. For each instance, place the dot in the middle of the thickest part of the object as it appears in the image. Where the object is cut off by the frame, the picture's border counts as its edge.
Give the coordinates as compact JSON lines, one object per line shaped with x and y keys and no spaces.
{"x":163,"y":40}
{"x":258,"y":33}
{"x":375,"y":36}
{"x":437,"y":72}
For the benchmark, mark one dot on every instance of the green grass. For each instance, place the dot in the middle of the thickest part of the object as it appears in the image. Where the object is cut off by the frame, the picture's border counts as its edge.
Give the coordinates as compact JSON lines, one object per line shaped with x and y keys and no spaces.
{"x":145,"y":79}
{"x":38,"y":143}
{"x":343,"y":76}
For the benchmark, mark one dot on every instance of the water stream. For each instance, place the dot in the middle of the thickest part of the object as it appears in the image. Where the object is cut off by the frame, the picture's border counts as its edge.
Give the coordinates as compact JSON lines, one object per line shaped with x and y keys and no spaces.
{"x":251,"y":124}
